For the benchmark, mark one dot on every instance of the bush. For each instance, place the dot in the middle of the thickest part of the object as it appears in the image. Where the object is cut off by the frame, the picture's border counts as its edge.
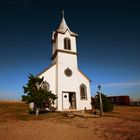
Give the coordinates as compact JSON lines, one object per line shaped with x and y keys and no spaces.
{"x":107,"y":106}
{"x":34,"y":93}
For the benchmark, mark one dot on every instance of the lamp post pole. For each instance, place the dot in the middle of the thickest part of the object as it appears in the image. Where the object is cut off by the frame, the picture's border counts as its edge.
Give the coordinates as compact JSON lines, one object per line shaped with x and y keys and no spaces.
{"x":101,"y":103}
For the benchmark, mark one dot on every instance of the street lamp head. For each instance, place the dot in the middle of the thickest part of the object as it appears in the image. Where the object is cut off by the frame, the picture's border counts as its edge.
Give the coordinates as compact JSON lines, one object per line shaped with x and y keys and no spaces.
{"x":99,"y":87}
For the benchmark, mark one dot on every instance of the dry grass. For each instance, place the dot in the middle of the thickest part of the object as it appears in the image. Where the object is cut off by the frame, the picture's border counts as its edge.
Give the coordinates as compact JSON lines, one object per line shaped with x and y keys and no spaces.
{"x":125,"y":112}
{"x":16,"y":123}
{"x":17,"y":111}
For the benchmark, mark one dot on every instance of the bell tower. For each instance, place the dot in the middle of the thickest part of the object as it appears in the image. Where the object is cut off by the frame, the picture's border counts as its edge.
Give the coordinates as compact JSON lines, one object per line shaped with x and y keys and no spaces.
{"x":63,"y":40}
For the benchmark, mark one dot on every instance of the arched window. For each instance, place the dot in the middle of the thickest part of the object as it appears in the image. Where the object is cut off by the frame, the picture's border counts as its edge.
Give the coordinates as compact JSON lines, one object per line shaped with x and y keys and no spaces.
{"x":67,"y":44}
{"x":45,"y":86}
{"x":83,"y":92}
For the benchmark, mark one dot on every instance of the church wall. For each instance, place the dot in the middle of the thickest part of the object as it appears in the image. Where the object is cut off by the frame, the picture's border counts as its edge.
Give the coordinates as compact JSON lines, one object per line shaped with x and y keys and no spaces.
{"x":55,"y":46}
{"x":50,"y":77}
{"x":65,"y":83}
{"x":71,"y":84}
{"x":67,"y":60}
{"x":82,"y":104}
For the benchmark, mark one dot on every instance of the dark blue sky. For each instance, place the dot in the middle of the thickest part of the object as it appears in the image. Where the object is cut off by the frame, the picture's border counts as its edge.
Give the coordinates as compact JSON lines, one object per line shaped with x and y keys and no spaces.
{"x":108,"y":42}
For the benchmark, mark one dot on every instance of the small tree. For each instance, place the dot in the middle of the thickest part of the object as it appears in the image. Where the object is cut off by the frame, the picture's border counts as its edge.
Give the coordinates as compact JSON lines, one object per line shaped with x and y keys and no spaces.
{"x":107,"y":106}
{"x":39,"y":96}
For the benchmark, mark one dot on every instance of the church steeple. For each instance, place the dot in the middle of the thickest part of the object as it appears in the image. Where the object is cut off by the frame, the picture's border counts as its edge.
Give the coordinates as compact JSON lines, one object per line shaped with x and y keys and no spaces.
{"x":63,"y":40}
{"x":63,"y":27}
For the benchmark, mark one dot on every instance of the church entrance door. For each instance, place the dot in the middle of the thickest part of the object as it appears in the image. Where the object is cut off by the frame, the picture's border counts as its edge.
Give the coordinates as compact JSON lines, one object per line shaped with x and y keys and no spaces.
{"x":66,"y":103}
{"x":69,"y":100}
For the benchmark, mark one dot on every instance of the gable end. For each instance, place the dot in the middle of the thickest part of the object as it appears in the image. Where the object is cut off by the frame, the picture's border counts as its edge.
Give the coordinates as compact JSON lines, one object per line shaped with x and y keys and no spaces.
{"x":45,"y":69}
{"x":84,"y":75}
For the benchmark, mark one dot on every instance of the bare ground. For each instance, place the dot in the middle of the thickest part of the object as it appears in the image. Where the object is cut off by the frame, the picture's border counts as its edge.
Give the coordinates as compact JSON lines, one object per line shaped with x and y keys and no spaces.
{"x":17,"y":124}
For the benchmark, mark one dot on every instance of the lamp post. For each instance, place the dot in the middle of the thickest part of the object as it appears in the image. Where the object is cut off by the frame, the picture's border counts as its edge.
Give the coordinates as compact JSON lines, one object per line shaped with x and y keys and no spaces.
{"x":101,"y":103}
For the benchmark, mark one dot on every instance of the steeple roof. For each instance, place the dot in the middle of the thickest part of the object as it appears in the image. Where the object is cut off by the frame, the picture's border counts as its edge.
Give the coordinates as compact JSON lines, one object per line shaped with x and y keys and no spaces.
{"x":63,"y":27}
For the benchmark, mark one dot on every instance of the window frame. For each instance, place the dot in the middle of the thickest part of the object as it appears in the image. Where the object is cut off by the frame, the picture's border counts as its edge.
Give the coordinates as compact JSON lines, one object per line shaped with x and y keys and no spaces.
{"x":67,"y":43}
{"x":48,"y":86}
{"x":83,"y":97}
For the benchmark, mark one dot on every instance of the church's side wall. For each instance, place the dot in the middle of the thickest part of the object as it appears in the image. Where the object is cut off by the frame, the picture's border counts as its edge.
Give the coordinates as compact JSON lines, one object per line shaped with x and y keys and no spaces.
{"x":50,"y":77}
{"x":82,"y":104}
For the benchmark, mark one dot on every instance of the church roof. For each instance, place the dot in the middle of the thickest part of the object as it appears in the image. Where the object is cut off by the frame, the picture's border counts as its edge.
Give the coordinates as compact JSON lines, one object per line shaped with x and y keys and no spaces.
{"x":63,"y":27}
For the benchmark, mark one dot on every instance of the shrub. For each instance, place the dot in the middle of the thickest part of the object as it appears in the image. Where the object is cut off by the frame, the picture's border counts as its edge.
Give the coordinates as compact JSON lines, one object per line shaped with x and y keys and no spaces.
{"x":107,"y":106}
{"x":35,"y":94}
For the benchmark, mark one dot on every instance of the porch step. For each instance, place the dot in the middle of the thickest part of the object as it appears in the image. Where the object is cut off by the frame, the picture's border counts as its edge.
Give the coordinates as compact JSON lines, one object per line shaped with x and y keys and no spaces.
{"x":85,"y":115}
{"x":68,"y":114}
{"x":80,"y":114}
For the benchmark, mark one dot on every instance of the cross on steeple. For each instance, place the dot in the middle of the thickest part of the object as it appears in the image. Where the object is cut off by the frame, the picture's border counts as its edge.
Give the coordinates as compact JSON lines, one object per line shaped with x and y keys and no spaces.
{"x":63,"y":14}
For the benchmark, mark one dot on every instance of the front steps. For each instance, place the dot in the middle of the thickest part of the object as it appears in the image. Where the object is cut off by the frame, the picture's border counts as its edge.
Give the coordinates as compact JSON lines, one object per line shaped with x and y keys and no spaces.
{"x":82,"y":114}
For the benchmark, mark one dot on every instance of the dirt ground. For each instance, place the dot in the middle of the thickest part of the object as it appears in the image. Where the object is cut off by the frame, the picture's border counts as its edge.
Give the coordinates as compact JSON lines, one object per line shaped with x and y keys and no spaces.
{"x":17,"y":124}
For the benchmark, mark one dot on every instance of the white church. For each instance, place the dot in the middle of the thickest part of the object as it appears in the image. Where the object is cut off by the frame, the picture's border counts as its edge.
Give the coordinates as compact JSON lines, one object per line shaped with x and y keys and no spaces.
{"x":63,"y":77}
